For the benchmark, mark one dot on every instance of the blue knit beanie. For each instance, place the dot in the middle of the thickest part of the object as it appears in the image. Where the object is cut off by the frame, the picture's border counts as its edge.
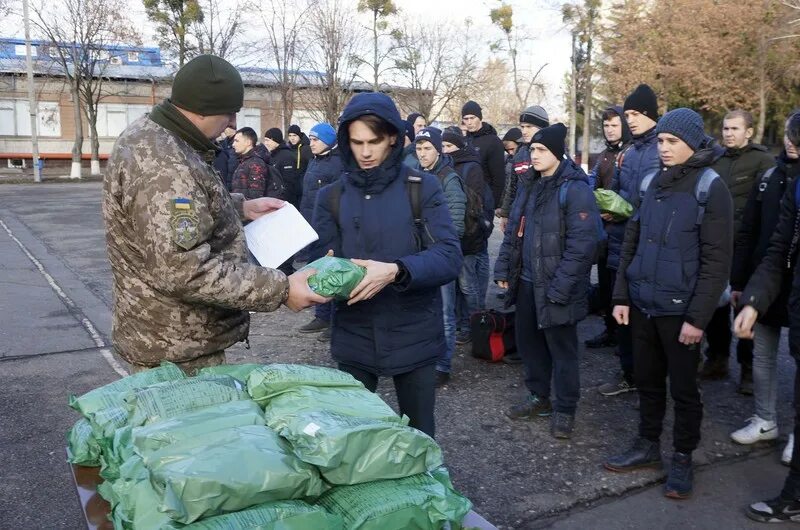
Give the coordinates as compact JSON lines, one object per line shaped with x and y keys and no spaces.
{"x":432,"y":135}
{"x":324,"y":133}
{"x":686,"y":124}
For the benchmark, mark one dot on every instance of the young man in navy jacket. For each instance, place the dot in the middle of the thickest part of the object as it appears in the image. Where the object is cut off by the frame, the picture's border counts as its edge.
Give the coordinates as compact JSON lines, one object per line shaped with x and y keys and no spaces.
{"x":674,"y":266}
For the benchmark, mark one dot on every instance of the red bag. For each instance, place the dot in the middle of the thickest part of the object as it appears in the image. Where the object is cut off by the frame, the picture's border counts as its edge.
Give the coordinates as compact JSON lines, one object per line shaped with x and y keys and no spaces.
{"x":492,"y":334}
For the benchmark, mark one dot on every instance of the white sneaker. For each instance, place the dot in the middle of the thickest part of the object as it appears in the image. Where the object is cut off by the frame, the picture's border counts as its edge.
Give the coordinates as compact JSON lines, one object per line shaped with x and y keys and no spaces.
{"x":786,"y":457}
{"x":756,"y":430}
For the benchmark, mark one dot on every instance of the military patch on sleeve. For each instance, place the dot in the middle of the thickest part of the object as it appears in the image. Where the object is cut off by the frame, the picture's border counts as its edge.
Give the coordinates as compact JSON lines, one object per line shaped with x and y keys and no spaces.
{"x":184,"y":223}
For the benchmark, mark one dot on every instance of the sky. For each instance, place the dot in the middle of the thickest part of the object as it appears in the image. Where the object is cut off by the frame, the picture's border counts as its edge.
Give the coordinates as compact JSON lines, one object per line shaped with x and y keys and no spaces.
{"x":540,"y":20}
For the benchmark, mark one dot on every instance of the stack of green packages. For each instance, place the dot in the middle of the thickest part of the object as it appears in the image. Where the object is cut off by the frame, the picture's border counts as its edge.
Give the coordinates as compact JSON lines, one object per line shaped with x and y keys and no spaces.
{"x":611,"y":203}
{"x":334,"y":423}
{"x":334,"y":277}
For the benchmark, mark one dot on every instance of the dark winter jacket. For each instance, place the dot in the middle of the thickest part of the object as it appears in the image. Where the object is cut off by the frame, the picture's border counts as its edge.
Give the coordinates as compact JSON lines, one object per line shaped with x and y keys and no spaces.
{"x":226,"y":161}
{"x":290,"y":163}
{"x":520,"y":168}
{"x":669,"y":265}
{"x":739,"y":169}
{"x":602,"y":173}
{"x":322,"y":170}
{"x":410,"y":155}
{"x":563,"y":247}
{"x":252,"y":178}
{"x":453,"y":189}
{"x":401,"y":327}
{"x":492,"y":155}
{"x":769,"y":279}
{"x":637,"y":160}
{"x":759,"y":220}
{"x":468,"y":166}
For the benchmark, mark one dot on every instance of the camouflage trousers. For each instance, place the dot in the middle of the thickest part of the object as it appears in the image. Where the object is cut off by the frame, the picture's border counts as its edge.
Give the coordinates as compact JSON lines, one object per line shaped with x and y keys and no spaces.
{"x":190,"y":368}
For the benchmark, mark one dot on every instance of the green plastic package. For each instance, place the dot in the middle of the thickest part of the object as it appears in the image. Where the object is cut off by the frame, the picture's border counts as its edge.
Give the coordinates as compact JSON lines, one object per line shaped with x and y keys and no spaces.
{"x":172,"y":398}
{"x":237,"y":371}
{"x":112,"y":394}
{"x":82,"y":448}
{"x":270,"y":380}
{"x":228,"y":471}
{"x":351,"y":435}
{"x":425,"y":502}
{"x":610,"y":202}
{"x":196,"y":424}
{"x":335,"y":277}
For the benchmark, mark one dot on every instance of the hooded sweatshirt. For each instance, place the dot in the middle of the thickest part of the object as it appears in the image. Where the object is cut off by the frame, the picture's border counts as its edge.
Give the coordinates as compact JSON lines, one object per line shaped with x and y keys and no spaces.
{"x":603,"y":171}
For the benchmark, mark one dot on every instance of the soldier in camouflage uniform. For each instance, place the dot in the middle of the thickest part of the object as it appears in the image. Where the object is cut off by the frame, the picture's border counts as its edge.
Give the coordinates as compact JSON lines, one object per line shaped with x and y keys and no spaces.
{"x":183,"y":285}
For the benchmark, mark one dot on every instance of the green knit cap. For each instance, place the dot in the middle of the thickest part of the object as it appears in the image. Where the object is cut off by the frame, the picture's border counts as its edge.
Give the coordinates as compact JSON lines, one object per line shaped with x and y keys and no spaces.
{"x":209,"y":86}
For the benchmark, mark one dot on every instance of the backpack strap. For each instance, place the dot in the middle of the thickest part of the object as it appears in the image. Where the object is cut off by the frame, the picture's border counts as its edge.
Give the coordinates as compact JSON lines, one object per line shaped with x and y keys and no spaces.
{"x":645,"y":184}
{"x":795,"y":242}
{"x":335,"y":199}
{"x":562,"y":193}
{"x":763,"y":182}
{"x":414,"y":188}
{"x":701,"y":191}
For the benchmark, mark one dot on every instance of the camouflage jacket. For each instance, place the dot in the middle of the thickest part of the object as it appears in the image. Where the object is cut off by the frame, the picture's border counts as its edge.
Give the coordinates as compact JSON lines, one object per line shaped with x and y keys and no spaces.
{"x":182,"y":282}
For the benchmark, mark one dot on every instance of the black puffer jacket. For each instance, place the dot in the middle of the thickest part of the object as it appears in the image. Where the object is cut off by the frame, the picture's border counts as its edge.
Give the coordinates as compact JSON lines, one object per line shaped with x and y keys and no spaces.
{"x":739,"y":169}
{"x":292,"y":165}
{"x":468,"y":166}
{"x":759,"y":220}
{"x":668,"y":264}
{"x":492,"y":155}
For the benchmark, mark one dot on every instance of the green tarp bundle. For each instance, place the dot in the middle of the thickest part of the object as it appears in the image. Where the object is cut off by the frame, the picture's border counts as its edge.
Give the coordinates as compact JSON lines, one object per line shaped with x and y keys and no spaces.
{"x":82,"y":448}
{"x":426,"y":502}
{"x":334,"y":277}
{"x":237,"y":371}
{"x":227,"y":471}
{"x":350,"y":434}
{"x":610,"y":202}
{"x":271,"y":380}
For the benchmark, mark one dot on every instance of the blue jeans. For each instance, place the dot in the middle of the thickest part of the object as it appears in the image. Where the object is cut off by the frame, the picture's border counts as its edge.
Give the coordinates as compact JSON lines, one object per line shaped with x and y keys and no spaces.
{"x":482,"y":270}
{"x":468,"y":291}
{"x":449,"y":314}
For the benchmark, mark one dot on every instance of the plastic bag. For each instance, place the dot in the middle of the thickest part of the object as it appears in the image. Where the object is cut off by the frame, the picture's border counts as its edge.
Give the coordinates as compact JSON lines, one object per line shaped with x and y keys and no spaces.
{"x":424,"y":501}
{"x":270,"y":380}
{"x":610,"y":202}
{"x":237,"y":371}
{"x":173,"y":398}
{"x":282,"y":515}
{"x":351,"y":435}
{"x":82,"y":448}
{"x":227,"y":471}
{"x":335,"y":277}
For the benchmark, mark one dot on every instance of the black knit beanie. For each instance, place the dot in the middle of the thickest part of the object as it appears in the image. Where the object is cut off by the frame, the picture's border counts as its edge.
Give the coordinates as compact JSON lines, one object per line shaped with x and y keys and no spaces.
{"x":453,"y":135}
{"x":643,"y":100}
{"x":513,"y":135}
{"x":275,"y":135}
{"x":472,"y":108}
{"x":553,"y":138}
{"x":294,"y":129}
{"x":209,"y":86}
{"x":410,"y":125}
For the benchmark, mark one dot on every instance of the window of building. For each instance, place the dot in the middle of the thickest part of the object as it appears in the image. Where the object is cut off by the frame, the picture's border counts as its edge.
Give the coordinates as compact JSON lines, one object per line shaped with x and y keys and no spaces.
{"x":249,"y":117}
{"x":133,"y":57}
{"x":115,"y":60}
{"x":19,"y":49}
{"x":15,"y":118}
{"x":113,"y":118}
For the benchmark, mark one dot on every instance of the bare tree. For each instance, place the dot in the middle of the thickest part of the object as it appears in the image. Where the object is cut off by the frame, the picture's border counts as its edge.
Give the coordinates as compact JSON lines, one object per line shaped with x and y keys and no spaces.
{"x":80,"y":34}
{"x":380,"y":11}
{"x":284,"y":23}
{"x":174,"y":21}
{"x":333,"y":55}
{"x":219,"y":31}
{"x":436,"y":63}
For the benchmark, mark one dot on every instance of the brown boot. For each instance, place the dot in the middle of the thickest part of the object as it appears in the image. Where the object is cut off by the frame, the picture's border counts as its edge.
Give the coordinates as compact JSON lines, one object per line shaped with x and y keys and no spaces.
{"x":714,"y":369}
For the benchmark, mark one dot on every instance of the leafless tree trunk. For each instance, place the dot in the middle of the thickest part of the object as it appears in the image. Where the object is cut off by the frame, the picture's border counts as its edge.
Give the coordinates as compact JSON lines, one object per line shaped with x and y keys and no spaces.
{"x":219,"y":32}
{"x":573,"y":97}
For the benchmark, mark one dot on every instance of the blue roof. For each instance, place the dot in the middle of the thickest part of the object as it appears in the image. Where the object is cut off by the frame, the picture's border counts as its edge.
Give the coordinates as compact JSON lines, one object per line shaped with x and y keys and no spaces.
{"x":14,"y":48}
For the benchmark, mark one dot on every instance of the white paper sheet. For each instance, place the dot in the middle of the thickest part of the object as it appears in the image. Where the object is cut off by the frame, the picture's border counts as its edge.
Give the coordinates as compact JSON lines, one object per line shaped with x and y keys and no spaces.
{"x":275,"y":237}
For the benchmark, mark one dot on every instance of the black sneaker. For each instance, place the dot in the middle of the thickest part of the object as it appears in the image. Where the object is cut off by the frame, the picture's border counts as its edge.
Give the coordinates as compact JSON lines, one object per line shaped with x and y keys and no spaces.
{"x":642,"y":454}
{"x":562,"y":425}
{"x":714,"y":369}
{"x":680,"y":478}
{"x":442,"y":378}
{"x":532,"y":407}
{"x":777,"y":510}
{"x":603,"y":340}
{"x":314,"y":326}
{"x":616,"y":388}
{"x":325,"y":336}
{"x":462,"y":337}
{"x":512,"y":358}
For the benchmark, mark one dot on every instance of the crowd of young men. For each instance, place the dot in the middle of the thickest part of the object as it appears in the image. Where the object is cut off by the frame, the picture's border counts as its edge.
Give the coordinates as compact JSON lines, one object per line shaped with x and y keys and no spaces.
{"x":710,"y":229}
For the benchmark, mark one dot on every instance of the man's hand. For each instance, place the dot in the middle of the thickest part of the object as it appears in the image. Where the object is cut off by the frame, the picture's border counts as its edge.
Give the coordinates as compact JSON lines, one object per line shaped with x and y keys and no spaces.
{"x":255,"y":208}
{"x":502,"y":284}
{"x":621,"y":314}
{"x":300,"y":294}
{"x":607,"y":217}
{"x":745,"y":320}
{"x":690,"y":334}
{"x":379,"y":275}
{"x":503,"y":224}
{"x":735,"y":297}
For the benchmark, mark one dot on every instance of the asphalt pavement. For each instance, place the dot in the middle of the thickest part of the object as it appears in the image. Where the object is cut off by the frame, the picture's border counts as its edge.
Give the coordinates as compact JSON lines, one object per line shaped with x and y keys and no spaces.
{"x":55,"y":300}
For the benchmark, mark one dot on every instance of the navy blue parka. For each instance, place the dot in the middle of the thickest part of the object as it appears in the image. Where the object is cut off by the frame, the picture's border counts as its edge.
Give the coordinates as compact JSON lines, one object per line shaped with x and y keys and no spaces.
{"x":400,"y":328}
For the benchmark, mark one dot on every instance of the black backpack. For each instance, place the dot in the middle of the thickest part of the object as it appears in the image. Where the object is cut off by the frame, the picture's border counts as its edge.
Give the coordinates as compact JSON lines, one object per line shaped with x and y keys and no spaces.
{"x":492,"y":334}
{"x":475,"y":222}
{"x":274,"y":185}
